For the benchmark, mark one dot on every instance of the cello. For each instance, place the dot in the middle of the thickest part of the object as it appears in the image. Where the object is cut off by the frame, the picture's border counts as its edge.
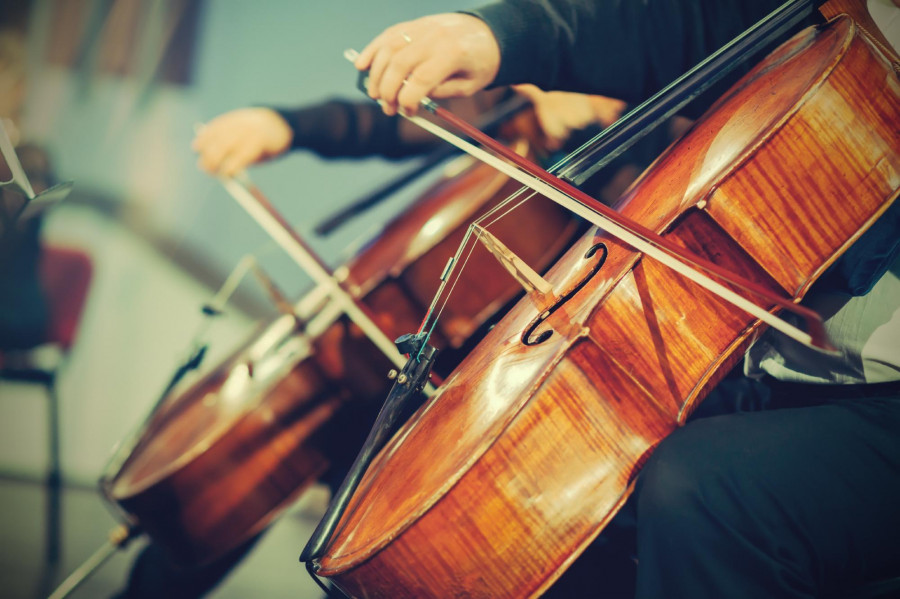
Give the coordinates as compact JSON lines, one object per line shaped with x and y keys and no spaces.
{"x":549,"y":431}
{"x":221,"y":459}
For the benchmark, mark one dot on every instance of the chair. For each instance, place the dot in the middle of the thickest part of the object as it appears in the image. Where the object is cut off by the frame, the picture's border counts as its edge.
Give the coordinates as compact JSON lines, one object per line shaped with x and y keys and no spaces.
{"x":65,"y":275}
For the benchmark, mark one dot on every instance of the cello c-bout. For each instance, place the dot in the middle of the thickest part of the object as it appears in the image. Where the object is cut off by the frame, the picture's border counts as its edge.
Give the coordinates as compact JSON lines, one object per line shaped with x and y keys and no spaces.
{"x":500,"y":481}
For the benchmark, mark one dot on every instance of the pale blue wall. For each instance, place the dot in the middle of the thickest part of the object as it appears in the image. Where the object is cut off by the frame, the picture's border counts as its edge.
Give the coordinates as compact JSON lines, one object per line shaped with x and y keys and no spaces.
{"x":143,"y":312}
{"x":284,"y":52}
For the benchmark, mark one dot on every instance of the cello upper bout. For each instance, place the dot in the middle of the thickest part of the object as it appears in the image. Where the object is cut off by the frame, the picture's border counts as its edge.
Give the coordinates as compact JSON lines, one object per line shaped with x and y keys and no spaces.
{"x":775,"y":159}
{"x":858,"y":11}
{"x":787,"y":203}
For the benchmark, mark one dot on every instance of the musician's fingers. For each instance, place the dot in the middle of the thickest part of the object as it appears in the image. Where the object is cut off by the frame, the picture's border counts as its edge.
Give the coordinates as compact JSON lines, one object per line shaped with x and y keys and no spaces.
{"x":465,"y":58}
{"x":211,"y":155}
{"x":239,"y":158}
{"x":379,"y":54}
{"x":204,"y":138}
{"x":455,"y":88}
{"x":408,"y":61}
{"x":253,"y":134}
{"x":408,"y":80}
{"x":363,"y":62}
{"x":423,"y":81}
{"x":393,"y":78}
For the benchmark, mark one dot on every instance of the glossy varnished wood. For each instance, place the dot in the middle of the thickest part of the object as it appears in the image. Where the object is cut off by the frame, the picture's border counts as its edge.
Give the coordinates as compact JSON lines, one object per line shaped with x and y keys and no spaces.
{"x":504,"y":477}
{"x":224,"y":457}
{"x":212,"y":470}
{"x":405,"y":262}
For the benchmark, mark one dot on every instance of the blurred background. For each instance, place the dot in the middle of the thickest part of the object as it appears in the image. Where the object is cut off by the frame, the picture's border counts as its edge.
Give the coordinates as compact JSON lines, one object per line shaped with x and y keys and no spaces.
{"x":107,"y":94}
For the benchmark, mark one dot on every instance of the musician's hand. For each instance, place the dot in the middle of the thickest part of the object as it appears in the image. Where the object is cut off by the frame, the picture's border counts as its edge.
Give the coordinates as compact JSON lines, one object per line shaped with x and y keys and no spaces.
{"x":438,"y":56}
{"x":237,"y":139}
{"x":561,"y":113}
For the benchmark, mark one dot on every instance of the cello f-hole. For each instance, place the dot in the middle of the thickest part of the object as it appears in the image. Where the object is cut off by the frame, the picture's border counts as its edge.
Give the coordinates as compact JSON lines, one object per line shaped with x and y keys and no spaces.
{"x":527,"y":336}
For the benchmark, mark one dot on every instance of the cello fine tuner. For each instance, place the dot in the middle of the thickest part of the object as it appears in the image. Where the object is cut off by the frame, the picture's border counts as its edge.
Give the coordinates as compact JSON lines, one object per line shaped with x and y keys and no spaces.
{"x":392,"y":374}
{"x":447,"y":269}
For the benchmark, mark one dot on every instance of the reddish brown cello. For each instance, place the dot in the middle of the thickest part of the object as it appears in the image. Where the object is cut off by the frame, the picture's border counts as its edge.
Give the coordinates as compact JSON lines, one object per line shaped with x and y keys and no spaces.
{"x":527,"y":451}
{"x":221,"y":459}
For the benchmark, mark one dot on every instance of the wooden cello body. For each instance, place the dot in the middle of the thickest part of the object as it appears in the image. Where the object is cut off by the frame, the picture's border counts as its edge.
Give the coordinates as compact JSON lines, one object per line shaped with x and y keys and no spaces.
{"x":221,"y":459}
{"x":503,"y":478}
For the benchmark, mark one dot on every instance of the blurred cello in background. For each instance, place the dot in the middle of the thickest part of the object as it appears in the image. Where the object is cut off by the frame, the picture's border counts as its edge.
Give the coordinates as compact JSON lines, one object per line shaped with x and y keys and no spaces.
{"x":218,"y":461}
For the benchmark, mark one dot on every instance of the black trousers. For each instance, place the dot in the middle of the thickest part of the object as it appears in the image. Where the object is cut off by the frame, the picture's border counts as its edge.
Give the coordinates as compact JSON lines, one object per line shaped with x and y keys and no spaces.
{"x":801,"y":499}
{"x":770,"y":491}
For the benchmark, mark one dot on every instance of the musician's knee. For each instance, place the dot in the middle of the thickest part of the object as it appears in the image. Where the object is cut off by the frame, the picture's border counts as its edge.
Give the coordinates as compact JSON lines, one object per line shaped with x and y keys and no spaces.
{"x":668,"y":491}
{"x":688,"y":483}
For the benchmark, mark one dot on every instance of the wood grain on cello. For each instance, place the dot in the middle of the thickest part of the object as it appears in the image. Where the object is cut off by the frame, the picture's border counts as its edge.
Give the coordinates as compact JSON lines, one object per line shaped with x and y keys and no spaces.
{"x":220,"y":460}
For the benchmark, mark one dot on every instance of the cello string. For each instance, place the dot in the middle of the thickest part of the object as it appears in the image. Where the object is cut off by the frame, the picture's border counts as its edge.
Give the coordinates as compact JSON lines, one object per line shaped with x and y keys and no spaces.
{"x":635,"y":235}
{"x":451,"y":270}
{"x":453,"y":265}
{"x":563,"y":167}
{"x":455,"y":271}
{"x":505,"y":213}
{"x":456,"y":279}
{"x":455,"y":261}
{"x":482,"y":221}
{"x":445,"y":277}
{"x":649,"y":114}
{"x":653,"y":111}
{"x":455,"y":268}
{"x":500,"y":205}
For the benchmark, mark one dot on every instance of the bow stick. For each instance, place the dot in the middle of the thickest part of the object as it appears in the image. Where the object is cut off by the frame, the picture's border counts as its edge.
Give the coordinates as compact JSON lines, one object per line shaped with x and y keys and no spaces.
{"x":641,"y":238}
{"x":627,"y":230}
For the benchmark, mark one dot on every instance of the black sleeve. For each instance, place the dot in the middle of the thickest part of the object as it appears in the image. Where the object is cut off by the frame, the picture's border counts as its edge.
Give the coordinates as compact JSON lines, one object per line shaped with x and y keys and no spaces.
{"x":343,"y":129}
{"x":626,"y":49}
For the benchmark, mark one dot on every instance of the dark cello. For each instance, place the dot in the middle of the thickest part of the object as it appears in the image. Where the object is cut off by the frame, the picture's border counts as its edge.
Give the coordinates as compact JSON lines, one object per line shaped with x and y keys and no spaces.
{"x":221,"y":459}
{"x":559,"y":429}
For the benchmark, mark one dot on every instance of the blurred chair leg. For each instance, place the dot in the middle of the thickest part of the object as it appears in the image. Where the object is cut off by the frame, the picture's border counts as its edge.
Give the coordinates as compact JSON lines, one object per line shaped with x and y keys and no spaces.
{"x":53,"y":479}
{"x":53,"y":536}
